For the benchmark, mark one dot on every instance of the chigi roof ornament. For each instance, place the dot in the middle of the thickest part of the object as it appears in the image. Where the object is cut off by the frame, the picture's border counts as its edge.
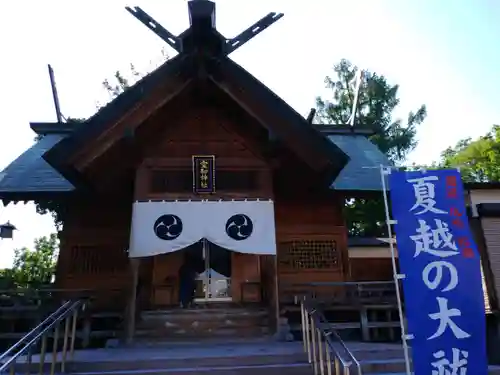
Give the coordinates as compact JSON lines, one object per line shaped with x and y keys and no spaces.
{"x":202,"y":32}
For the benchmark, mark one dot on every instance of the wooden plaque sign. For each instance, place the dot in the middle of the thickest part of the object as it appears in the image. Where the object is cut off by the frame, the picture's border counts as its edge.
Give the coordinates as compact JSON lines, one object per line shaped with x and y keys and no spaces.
{"x":204,"y":174}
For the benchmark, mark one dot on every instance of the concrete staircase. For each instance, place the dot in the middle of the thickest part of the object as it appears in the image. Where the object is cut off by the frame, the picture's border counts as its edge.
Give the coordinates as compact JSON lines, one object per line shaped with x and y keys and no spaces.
{"x":215,"y":357}
{"x":224,"y":321}
{"x":223,"y":357}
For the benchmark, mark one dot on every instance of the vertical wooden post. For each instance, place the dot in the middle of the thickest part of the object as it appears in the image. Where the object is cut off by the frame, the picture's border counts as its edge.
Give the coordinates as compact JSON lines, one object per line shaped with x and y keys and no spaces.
{"x":276,"y":291}
{"x":365,"y":330}
{"x":134,"y":264}
{"x":86,"y":329}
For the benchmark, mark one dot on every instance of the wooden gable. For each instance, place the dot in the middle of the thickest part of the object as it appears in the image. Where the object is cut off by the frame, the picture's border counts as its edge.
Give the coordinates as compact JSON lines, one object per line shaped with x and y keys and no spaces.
{"x":243,"y":168}
{"x":205,"y":131}
{"x":202,"y":61}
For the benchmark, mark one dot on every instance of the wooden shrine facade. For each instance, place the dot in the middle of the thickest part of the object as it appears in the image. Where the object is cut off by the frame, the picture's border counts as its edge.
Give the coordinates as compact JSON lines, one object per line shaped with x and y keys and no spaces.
{"x":310,"y":230}
{"x":140,"y":147}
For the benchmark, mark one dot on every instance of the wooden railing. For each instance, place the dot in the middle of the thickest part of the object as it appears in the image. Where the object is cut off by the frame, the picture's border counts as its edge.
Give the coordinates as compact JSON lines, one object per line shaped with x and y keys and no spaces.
{"x":372,"y":306}
{"x":31,"y":306}
{"x":59,"y":325}
{"x":352,"y":293}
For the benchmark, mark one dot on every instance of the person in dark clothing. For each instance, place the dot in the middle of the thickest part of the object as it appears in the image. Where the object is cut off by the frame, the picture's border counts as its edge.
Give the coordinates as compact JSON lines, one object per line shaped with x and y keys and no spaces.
{"x":187,"y":282}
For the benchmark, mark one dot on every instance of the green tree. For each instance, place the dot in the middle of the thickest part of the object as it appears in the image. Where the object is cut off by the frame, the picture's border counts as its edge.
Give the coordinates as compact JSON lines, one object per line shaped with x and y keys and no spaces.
{"x":33,"y":268}
{"x":479,"y":160}
{"x":396,"y":138}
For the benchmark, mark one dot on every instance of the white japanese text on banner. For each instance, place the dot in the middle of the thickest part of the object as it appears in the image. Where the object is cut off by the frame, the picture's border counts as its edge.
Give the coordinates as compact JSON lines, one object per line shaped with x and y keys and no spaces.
{"x":443,"y":292}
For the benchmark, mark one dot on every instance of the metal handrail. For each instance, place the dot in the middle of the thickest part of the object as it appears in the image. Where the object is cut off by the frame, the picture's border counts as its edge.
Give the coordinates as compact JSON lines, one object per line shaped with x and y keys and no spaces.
{"x":320,"y":347}
{"x":52,"y":316}
{"x":71,"y":313}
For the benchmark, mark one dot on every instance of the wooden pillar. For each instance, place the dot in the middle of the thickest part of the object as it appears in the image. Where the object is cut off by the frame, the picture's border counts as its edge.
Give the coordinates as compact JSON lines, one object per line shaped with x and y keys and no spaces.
{"x":276,"y":291}
{"x":134,"y":264}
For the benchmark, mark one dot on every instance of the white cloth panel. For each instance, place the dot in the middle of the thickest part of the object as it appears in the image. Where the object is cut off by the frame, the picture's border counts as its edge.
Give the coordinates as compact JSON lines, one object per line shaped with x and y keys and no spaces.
{"x":163,"y":227}
{"x":242,"y":226}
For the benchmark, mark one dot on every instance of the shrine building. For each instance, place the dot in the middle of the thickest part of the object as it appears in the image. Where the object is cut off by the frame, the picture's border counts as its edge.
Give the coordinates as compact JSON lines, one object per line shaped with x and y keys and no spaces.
{"x":200,"y":162}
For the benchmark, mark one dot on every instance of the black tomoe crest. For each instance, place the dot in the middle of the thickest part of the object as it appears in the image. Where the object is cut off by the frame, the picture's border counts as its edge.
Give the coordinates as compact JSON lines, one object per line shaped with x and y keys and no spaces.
{"x":168,"y":227}
{"x":239,"y":227}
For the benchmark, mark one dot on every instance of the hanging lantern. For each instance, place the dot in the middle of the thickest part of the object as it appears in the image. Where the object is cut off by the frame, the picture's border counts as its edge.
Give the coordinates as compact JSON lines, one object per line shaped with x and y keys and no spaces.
{"x":7,"y":230}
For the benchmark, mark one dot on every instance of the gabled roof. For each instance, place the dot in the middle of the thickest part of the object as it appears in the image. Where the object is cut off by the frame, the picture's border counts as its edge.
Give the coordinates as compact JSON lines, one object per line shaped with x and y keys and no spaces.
{"x":282,"y":119}
{"x":362,"y":172}
{"x":30,"y":173}
{"x":270,"y":110}
{"x":203,"y":55}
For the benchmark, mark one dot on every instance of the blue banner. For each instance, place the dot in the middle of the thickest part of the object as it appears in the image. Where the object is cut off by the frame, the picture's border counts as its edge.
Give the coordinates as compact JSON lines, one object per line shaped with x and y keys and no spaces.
{"x":443,"y":296}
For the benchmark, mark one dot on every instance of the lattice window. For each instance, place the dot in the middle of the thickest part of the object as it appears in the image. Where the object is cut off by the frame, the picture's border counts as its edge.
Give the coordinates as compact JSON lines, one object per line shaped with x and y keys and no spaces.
{"x":96,"y":260}
{"x":308,"y":255}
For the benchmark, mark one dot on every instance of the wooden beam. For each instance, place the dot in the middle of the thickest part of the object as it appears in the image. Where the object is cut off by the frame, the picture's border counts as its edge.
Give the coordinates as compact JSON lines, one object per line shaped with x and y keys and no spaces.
{"x":148,"y":21}
{"x":134,"y":263}
{"x":130,"y":121}
{"x":313,"y":158}
{"x":329,"y":129}
{"x":252,"y":31}
{"x":53,"y":127}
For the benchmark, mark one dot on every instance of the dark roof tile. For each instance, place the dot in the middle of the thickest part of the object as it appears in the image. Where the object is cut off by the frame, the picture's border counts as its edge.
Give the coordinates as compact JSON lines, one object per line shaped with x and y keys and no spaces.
{"x":362,"y":172}
{"x":30,"y":173}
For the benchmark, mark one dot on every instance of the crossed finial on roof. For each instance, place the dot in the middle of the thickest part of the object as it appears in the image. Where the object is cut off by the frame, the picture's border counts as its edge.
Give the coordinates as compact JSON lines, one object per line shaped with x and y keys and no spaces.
{"x":202,"y":16}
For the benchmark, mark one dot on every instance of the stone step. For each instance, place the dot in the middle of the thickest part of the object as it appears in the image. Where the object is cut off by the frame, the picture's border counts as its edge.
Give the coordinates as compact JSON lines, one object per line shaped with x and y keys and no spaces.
{"x":191,"y":358}
{"x":376,"y":366}
{"x":227,"y":320}
{"x":493,"y":370}
{"x":190,"y":333}
{"x":200,"y":323}
{"x":204,"y":313}
{"x":365,"y":351}
{"x":279,"y":369}
{"x":209,"y":362}
{"x":397,"y":367}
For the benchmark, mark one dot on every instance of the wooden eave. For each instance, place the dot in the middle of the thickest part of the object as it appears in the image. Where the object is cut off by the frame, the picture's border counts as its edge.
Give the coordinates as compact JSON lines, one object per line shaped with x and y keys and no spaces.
{"x":330,"y":129}
{"x":93,"y":137}
{"x":26,"y":197}
{"x":492,"y":185}
{"x":123,"y":115}
{"x":44,"y":128}
{"x":281,"y":119}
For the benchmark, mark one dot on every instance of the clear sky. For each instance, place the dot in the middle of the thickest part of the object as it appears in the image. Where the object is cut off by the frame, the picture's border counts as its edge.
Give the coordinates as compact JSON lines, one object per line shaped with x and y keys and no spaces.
{"x":442,"y":53}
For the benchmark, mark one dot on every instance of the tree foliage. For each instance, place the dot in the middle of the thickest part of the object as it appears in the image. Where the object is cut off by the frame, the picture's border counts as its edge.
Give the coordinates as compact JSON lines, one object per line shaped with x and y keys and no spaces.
{"x":376,"y":102}
{"x":122,"y":81}
{"x":479,"y":160}
{"x":395,"y":137}
{"x":119,"y":83}
{"x":32,"y":268}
